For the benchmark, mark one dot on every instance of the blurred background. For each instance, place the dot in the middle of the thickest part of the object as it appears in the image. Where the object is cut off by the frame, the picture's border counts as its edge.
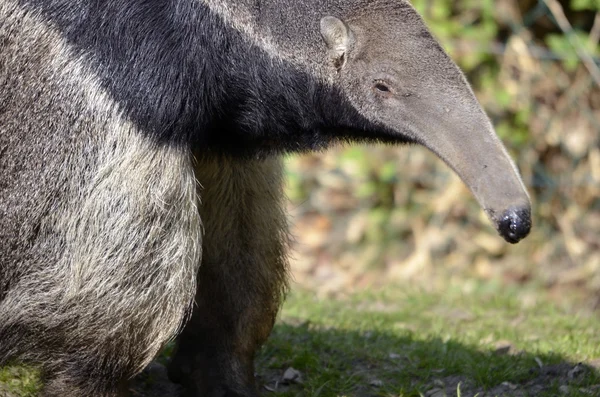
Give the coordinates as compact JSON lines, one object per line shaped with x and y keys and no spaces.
{"x":367,"y":216}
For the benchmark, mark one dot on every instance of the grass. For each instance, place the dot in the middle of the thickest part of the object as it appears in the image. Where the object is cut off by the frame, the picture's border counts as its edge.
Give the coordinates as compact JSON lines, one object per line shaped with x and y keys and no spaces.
{"x":18,"y":381}
{"x":407,"y":342}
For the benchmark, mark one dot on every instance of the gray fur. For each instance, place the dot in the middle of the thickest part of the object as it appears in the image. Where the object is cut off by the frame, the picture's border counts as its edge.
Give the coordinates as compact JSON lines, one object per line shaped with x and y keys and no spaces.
{"x":86,"y":212}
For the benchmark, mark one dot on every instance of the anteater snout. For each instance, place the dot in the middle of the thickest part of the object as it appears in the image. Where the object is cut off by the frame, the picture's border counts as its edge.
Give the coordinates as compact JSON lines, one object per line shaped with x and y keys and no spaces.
{"x":515,"y":224}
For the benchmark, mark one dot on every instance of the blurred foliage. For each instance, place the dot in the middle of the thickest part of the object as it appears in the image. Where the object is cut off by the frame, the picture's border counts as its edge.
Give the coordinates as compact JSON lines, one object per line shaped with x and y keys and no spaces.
{"x":364,"y":215}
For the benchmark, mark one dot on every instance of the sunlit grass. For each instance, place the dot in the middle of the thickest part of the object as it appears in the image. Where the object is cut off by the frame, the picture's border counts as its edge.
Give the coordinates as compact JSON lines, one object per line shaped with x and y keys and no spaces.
{"x":411,"y":340}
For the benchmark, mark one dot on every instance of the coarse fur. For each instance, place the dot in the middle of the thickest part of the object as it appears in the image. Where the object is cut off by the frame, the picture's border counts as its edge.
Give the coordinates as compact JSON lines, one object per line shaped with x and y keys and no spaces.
{"x":127,"y":127}
{"x":99,"y":228}
{"x":246,"y":276}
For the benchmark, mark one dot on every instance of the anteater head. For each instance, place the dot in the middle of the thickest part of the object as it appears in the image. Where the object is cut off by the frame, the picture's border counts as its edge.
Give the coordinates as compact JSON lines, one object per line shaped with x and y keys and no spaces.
{"x":393,"y":72}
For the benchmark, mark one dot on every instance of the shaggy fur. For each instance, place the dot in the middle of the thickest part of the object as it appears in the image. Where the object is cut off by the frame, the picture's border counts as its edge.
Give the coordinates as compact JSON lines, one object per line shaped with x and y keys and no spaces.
{"x":246,"y":276}
{"x":127,"y":127}
{"x":99,"y":227}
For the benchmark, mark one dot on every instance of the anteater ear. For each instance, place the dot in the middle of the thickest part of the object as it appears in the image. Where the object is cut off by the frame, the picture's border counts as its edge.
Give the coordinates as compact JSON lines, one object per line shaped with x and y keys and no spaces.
{"x":337,"y":36}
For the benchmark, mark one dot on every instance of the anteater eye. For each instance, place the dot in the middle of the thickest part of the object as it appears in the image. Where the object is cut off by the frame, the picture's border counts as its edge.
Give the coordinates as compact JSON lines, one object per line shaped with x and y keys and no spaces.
{"x":381,"y":86}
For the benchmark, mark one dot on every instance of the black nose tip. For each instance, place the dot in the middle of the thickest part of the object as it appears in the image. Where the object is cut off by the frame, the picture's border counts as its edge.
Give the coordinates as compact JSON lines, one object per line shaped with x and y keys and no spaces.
{"x":515,"y":224}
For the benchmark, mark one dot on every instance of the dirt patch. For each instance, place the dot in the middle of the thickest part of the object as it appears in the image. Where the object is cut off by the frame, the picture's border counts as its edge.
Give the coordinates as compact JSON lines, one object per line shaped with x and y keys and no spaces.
{"x":565,"y":377}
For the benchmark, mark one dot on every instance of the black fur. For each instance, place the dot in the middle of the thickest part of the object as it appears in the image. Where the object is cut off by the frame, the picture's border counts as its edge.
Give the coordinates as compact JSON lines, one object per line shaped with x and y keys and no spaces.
{"x":186,"y":77}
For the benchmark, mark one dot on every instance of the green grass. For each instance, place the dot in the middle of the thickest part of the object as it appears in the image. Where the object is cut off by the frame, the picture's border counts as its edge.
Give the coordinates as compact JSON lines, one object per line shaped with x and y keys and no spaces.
{"x":400,"y":342}
{"x":410,"y":340}
{"x":19,"y":381}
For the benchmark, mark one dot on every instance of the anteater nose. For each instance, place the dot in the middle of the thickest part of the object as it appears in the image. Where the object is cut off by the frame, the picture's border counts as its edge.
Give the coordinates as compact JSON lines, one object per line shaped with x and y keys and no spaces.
{"x":515,"y":224}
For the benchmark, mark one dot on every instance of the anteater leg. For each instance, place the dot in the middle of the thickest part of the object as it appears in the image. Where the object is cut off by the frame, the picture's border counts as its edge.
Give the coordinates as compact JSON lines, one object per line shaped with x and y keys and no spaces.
{"x":241,"y":280}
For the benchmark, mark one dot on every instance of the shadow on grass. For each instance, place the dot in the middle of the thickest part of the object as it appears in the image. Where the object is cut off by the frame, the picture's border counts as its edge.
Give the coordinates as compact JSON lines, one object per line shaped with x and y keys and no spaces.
{"x":301,"y":359}
{"x":334,"y":362}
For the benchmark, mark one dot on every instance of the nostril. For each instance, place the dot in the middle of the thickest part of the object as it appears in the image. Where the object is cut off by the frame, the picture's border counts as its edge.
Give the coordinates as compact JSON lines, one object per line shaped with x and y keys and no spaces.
{"x":515,"y":224}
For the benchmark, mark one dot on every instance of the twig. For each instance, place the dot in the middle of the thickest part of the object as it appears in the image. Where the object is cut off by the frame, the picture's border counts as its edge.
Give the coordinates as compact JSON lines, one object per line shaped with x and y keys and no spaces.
{"x":595,"y":32}
{"x":564,"y":24}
